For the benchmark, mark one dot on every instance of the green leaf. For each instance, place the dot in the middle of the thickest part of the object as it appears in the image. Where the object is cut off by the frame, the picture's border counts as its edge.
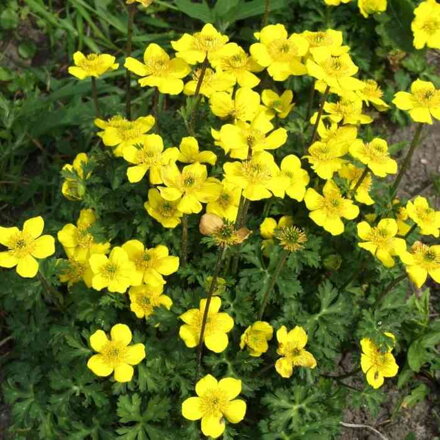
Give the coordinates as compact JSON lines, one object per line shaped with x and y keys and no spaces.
{"x":253,"y":8}
{"x":8,"y":19}
{"x":200,"y":11}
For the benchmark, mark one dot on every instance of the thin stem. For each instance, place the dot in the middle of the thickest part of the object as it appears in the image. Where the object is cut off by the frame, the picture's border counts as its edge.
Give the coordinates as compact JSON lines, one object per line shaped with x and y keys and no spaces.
{"x":155,"y":109}
{"x":95,"y":97}
{"x":370,"y":428}
{"x":318,"y":118}
{"x":389,"y":288}
{"x":343,"y":376}
{"x":411,"y":230}
{"x":272,"y":281}
{"x":241,"y":220}
{"x":53,"y":294}
{"x":184,"y":242}
{"x":218,"y":265}
{"x":407,"y":160}
{"x":7,"y":339}
{"x":266,"y":12}
{"x":131,"y":9}
{"x":197,"y":96}
{"x":310,"y":103}
{"x":359,"y":182}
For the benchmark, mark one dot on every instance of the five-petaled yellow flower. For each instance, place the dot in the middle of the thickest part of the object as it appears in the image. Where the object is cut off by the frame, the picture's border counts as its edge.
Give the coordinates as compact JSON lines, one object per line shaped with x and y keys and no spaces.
{"x":368,"y":7}
{"x":162,"y":210}
{"x":213,"y":81}
{"x":280,"y":53}
{"x":325,"y":158}
{"x":328,"y":209}
{"x":115,"y":355}
{"x":422,"y":260}
{"x":291,"y":347}
{"x":217,"y":326}
{"x":216,"y":402}
{"x":426,"y":25}
{"x":120,"y":133}
{"x":25,"y":247}
{"x":150,"y":265}
{"x":145,"y":298}
{"x":191,"y":187}
{"x":93,"y":65}
{"x":256,"y":338}
{"x":149,"y":155}
{"x":115,"y":272}
{"x":189,"y":152}
{"x":423,"y":103}
{"x":375,"y":155}
{"x":226,"y":205}
{"x":296,"y":178}
{"x":159,"y":70}
{"x":381,"y":241}
{"x":377,"y":364}
{"x":427,"y":218}
{"x":277,"y":105}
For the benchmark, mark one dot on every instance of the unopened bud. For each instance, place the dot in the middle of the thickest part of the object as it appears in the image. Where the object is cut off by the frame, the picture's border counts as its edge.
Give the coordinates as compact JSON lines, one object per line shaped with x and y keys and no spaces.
{"x":210,"y":224}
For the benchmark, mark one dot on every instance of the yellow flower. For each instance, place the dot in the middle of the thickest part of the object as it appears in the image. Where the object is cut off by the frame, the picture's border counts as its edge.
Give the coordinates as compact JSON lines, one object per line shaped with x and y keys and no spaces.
{"x":217,"y":326}
{"x":245,"y":106}
{"x":189,"y":152}
{"x":212,"y":82}
{"x":427,"y":218}
{"x":368,"y":7}
{"x":144,"y":3}
{"x":325,"y":159}
{"x":423,"y":103}
{"x":335,"y":2}
{"x":226,"y":205}
{"x":426,"y":25}
{"x":279,"y":53}
{"x":150,"y":264}
{"x":25,"y":246}
{"x":115,"y":272}
{"x":375,"y":155}
{"x":73,"y":188}
{"x":277,"y":105}
{"x":191,"y":187}
{"x":347,"y":111}
{"x":115,"y":355}
{"x":242,"y":138}
{"x":353,"y":174}
{"x":296,"y":178}
{"x":291,"y":348}
{"x":258,"y":177}
{"x":92,"y":65}
{"x":422,"y":260}
{"x":371,"y":93}
{"x":164,"y":211}
{"x":204,"y":44}
{"x":73,"y":271}
{"x":334,"y":66}
{"x":149,"y":155}
{"x":256,"y":338}
{"x":401,"y":216}
{"x":377,"y":364}
{"x":328,"y":209}
{"x":216,"y":402}
{"x":381,"y":241}
{"x":145,"y":298}
{"x":328,"y":38}
{"x":269,"y":225}
{"x":338,"y":137}
{"x":78,"y":242}
{"x":159,"y":70}
{"x":120,"y":133}
{"x":234,"y":60}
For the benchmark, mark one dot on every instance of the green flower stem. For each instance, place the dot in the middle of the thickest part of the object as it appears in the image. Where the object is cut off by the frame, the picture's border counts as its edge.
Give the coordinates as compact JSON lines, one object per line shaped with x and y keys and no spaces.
{"x":272,"y":281}
{"x":218,"y":265}
{"x":412,"y":229}
{"x":407,"y":160}
{"x":131,"y":9}
{"x":318,"y":118}
{"x":95,"y":97}
{"x":242,"y":213}
{"x":310,"y":103}
{"x":52,"y":294}
{"x":359,"y":182}
{"x":197,"y":95}
{"x":184,"y":242}
{"x":266,"y":12}
{"x":389,"y":288}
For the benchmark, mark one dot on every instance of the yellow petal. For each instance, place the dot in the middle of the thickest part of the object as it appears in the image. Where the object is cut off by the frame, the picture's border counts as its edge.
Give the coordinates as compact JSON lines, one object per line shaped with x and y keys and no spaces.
{"x":374,"y":378}
{"x":34,"y":226}
{"x":205,"y":385}
{"x":124,"y":373}
{"x":6,"y":234}
{"x":44,"y":246}
{"x":284,"y":367}
{"x":235,"y":411}
{"x":230,"y":386}
{"x":98,"y":340}
{"x":217,"y":342}
{"x":213,"y":426}
{"x":121,"y":333}
{"x":97,"y":364}
{"x":189,"y":336}
{"x":297,"y":337}
{"x":191,"y":408}
{"x":27,"y":267}
{"x":135,"y":354}
{"x":7,"y":260}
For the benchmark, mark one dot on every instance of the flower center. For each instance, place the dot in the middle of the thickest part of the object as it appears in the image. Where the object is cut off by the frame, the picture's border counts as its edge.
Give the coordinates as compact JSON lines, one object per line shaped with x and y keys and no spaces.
{"x":431,"y":25}
{"x":281,"y":50}
{"x":21,"y":245}
{"x":110,"y":270}
{"x":167,"y":209}
{"x":213,"y":403}
{"x":114,"y":353}
{"x":256,"y":172}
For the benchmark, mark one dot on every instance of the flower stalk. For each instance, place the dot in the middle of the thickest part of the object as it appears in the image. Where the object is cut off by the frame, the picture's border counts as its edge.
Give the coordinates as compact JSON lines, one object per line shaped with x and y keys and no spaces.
{"x":360,"y":180}
{"x":318,"y":118}
{"x":197,"y":96}
{"x":266,"y":12}
{"x":407,"y":161}
{"x":131,"y":9}
{"x":184,"y":241}
{"x":273,"y":279}
{"x":389,"y":288}
{"x":95,"y":97}
{"x":212,"y":287}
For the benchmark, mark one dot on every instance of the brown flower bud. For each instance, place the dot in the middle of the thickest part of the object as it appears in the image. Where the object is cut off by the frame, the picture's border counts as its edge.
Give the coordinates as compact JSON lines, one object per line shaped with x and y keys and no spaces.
{"x":210,"y":224}
{"x":242,"y":234}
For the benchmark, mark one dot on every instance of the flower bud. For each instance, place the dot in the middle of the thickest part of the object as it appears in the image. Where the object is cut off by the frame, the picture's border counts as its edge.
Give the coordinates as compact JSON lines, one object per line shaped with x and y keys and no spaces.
{"x":210,"y":224}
